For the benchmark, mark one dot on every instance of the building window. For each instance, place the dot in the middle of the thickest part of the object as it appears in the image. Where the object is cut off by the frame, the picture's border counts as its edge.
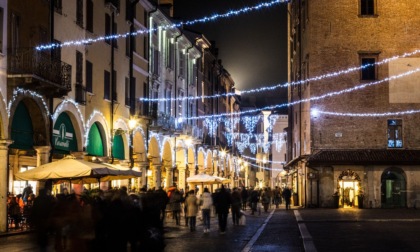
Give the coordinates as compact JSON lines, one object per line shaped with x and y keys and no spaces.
{"x":368,"y":70}
{"x":56,"y":51}
{"x":114,"y":86}
{"x":170,"y":55}
{"x":15,"y":25}
{"x":107,"y":28}
{"x":89,"y":76}
{"x":79,"y":13}
{"x":58,"y":6}
{"x":89,"y":15}
{"x":395,"y":133}
{"x":79,"y":67}
{"x":181,"y":64}
{"x":367,"y":7}
{"x":155,"y":65}
{"x":127,"y":91}
{"x":107,"y":85}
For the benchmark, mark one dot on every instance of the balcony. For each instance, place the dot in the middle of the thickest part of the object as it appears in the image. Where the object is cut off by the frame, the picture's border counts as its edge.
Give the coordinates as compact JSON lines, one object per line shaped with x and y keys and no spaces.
{"x":36,"y":70}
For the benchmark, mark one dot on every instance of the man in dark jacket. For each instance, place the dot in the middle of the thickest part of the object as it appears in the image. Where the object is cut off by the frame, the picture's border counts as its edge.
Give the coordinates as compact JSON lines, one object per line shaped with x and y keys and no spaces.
{"x":287,"y":194}
{"x":222,"y":202}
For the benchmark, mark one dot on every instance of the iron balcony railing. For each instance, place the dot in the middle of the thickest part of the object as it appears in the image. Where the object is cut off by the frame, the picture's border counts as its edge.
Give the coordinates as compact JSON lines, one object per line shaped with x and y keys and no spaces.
{"x":29,"y":61}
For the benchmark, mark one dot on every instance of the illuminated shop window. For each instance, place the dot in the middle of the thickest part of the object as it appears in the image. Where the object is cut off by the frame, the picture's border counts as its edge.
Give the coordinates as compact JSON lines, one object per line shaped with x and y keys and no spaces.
{"x":395,"y":139}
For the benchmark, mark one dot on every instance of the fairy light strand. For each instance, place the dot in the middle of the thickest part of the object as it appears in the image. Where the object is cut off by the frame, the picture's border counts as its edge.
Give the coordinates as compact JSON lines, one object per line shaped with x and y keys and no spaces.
{"x":166,"y":27}
{"x":283,"y":85}
{"x":314,"y":113}
{"x":314,"y":98}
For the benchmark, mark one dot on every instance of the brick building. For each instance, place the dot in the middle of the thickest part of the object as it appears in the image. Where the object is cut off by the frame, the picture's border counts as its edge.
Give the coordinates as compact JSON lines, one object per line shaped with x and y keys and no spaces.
{"x":355,"y":149}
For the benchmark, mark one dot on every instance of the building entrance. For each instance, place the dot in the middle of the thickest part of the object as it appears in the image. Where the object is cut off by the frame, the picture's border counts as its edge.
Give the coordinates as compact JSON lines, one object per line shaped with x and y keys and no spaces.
{"x":393,"y":188}
{"x":349,"y":185}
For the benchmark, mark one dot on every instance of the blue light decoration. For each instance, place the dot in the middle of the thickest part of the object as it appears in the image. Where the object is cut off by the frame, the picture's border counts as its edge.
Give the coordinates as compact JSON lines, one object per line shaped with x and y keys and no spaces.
{"x":251,"y":122}
{"x":316,"y":112}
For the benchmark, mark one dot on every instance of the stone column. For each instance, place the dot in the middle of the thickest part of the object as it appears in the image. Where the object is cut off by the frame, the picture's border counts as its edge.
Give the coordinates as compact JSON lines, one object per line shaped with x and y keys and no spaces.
{"x":169,"y":176}
{"x":181,"y":177}
{"x":143,"y":169}
{"x":157,"y":176}
{"x":42,"y":154}
{"x":42,"y":157}
{"x":192,"y":173}
{"x":4,"y":148}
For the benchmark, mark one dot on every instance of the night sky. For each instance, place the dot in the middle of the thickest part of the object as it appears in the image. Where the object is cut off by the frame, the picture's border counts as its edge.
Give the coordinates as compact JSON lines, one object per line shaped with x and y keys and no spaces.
{"x":252,"y":46}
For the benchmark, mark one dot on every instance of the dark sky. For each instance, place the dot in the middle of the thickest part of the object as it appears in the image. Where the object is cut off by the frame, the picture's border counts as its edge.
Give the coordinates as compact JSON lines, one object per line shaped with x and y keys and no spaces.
{"x":252,"y":46}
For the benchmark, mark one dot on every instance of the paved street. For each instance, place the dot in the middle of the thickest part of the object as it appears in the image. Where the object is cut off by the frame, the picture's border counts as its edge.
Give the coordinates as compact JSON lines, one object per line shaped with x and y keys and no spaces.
{"x":293,"y":230}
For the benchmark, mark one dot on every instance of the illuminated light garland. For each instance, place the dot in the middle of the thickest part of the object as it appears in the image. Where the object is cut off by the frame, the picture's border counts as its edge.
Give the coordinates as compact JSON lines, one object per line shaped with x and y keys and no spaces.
{"x":60,"y":108}
{"x":211,"y":125}
{"x":285,"y":85}
{"x":268,"y":161}
{"x":331,"y":94}
{"x":34,"y":94}
{"x":265,"y":168}
{"x":180,"y":24}
{"x":272,"y":119}
{"x":316,"y":112}
{"x":250,"y":122}
{"x":96,"y":113}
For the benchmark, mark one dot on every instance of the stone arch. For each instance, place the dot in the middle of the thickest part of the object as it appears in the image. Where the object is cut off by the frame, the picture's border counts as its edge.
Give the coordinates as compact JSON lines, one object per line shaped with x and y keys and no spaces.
{"x":76,"y":118}
{"x":39,"y":117}
{"x":154,"y":151}
{"x":393,"y":188}
{"x":209,"y":162}
{"x":139,"y":144}
{"x":97,"y":117}
{"x":121,"y":126}
{"x":201,"y":157}
{"x":4,"y":119}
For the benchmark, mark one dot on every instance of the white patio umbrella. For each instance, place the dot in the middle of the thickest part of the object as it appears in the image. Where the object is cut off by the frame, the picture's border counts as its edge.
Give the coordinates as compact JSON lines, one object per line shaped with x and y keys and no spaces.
{"x":203,"y":179}
{"x":76,"y":170}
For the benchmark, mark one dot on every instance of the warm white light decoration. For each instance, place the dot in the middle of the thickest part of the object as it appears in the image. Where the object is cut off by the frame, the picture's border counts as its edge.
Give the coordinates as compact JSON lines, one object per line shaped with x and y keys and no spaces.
{"x":313,"y":98}
{"x":89,"y":122}
{"x":389,"y":113}
{"x":61,"y":107}
{"x":166,"y":27}
{"x":21,"y":91}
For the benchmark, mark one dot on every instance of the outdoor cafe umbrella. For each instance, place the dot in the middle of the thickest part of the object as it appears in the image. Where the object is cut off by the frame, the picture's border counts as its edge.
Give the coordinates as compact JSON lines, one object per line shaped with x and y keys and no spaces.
{"x":76,"y":170}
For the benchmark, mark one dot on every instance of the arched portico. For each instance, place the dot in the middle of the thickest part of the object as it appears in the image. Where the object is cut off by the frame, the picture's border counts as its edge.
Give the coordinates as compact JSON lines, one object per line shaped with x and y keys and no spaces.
{"x":393,"y":188}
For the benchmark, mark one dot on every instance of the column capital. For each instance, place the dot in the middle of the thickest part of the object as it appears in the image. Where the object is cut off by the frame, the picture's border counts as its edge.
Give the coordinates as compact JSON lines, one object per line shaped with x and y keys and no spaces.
{"x":4,"y":143}
{"x":42,"y":149}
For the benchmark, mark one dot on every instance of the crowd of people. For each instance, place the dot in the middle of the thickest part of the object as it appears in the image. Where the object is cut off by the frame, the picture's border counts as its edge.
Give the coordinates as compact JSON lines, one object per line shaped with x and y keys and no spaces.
{"x":111,"y":220}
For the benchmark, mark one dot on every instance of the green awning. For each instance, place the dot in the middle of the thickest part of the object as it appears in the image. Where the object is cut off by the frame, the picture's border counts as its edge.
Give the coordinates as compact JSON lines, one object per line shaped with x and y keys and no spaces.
{"x":118,"y":145}
{"x":95,"y":146}
{"x":64,"y":137}
{"x":22,"y":130}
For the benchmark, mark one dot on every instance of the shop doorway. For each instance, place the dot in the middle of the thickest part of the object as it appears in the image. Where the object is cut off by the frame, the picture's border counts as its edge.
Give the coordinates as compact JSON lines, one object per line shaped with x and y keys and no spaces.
{"x":393,"y":188}
{"x":349,"y":185}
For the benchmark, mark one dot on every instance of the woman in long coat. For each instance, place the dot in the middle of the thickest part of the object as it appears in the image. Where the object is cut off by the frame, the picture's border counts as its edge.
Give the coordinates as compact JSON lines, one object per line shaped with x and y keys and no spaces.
{"x":192,"y":208}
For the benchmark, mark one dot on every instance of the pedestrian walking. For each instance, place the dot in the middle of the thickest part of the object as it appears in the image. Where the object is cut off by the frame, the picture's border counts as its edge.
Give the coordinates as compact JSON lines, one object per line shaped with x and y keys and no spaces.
{"x":287,"y":194}
{"x":236,"y":206}
{"x":265,"y":199}
{"x":192,"y":208}
{"x":222,"y":202}
{"x":175,"y":205}
{"x":253,"y":199}
{"x":206,"y":202}
{"x":244,"y":196}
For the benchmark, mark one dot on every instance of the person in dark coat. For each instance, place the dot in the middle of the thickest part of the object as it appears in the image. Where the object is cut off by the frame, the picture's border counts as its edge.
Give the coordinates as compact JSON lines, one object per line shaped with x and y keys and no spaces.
{"x":287,"y":194}
{"x":236,"y":206}
{"x":222,"y":202}
{"x":244,"y":196}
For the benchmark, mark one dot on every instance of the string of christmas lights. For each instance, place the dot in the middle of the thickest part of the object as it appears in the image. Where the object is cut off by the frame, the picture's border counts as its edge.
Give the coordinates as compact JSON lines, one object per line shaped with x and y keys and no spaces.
{"x":268,"y":161}
{"x":166,"y":27}
{"x":284,"y":85}
{"x":314,"y":98}
{"x":316,"y":112}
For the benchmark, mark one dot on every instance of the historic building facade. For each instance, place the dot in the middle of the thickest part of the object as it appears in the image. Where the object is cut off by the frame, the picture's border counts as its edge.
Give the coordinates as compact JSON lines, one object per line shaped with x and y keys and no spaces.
{"x":347,"y":135}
